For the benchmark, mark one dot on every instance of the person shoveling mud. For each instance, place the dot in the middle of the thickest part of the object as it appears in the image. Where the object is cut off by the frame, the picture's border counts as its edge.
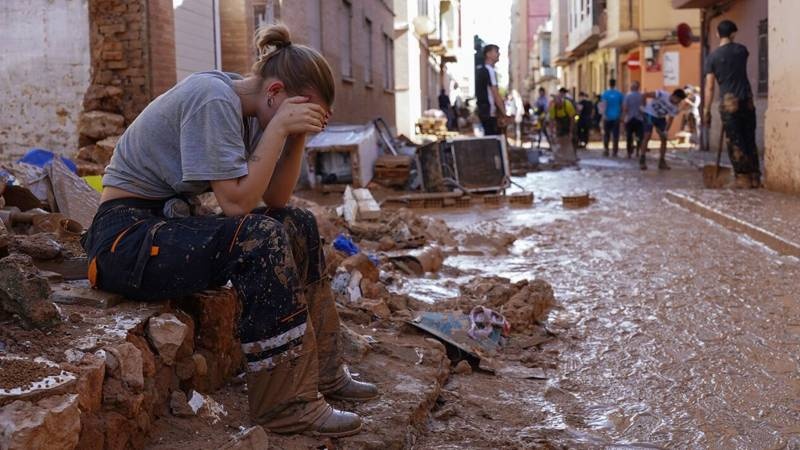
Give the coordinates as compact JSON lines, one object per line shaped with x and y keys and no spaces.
{"x":243,"y":139}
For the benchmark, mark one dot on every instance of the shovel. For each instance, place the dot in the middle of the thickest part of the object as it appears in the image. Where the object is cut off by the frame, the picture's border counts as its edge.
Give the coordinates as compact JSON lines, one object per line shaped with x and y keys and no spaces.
{"x":715,"y":176}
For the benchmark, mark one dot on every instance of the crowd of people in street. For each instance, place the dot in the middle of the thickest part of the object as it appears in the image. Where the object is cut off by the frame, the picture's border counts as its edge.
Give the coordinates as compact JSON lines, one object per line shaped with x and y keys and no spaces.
{"x":566,"y":124}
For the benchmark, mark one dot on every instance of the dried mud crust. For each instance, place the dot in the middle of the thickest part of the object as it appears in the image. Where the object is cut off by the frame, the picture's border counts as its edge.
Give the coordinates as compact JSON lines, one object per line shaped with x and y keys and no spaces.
{"x":22,"y":373}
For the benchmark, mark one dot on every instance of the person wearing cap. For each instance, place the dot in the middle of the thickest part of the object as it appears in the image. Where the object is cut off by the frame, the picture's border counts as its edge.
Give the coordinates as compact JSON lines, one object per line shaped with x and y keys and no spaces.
{"x":727,"y":67}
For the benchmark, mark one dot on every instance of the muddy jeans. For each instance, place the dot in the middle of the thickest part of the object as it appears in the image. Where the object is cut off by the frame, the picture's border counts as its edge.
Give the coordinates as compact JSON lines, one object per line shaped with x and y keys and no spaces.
{"x":274,"y":260}
{"x":739,"y":120}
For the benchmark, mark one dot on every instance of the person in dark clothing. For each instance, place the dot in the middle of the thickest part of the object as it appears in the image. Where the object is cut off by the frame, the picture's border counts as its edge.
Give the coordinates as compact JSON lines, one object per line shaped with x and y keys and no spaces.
{"x":242,"y":139}
{"x":727,"y":66}
{"x":585,"y":113}
{"x":447,"y":109}
{"x":597,"y":119}
{"x":490,"y":104}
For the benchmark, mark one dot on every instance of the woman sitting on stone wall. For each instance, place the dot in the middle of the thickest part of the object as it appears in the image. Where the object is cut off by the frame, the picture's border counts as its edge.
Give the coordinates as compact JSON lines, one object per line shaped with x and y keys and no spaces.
{"x":243,"y":139}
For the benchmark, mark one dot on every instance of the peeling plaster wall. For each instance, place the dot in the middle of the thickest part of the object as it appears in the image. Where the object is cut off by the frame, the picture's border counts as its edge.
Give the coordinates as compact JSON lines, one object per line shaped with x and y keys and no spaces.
{"x":44,"y":73}
{"x":782,"y":127}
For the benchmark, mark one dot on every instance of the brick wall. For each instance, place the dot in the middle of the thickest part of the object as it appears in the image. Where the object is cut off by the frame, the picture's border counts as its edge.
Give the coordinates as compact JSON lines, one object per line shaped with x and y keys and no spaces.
{"x":236,"y":32}
{"x":161,"y":40}
{"x":356,"y":102}
{"x":118,"y":37}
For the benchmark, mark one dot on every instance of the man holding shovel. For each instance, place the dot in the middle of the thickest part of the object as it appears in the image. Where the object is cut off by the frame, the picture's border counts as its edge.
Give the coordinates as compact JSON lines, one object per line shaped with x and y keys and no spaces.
{"x":727,"y":65}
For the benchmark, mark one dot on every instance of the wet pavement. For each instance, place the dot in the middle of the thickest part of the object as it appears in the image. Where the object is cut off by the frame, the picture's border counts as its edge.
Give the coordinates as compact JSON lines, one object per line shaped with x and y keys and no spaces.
{"x":673,"y":332}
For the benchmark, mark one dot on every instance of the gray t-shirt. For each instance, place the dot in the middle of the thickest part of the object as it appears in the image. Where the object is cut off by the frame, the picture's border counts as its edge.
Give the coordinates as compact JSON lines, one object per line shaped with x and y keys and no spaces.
{"x":633,"y":106}
{"x":190,"y":135}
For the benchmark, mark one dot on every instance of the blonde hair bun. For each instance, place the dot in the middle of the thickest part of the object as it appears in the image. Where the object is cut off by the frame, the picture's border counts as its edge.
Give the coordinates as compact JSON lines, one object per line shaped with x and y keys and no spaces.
{"x":271,"y":38}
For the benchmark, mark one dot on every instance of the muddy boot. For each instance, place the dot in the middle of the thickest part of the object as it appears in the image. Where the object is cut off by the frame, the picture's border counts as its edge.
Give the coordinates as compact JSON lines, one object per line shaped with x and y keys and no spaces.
{"x":662,"y":164}
{"x":335,"y":381}
{"x":642,"y":162}
{"x":605,"y":152}
{"x":336,"y":424}
{"x":353,"y":391}
{"x":742,"y":181}
{"x":283,"y":396}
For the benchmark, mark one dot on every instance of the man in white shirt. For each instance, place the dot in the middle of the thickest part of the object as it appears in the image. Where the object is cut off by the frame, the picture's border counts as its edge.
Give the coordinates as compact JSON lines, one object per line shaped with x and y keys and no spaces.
{"x":661,"y":109}
{"x":488,"y":96}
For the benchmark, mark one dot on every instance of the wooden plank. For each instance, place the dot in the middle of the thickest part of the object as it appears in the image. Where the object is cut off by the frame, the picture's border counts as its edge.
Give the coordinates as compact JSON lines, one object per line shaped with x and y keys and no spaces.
{"x":80,"y":293}
{"x":70,"y":269}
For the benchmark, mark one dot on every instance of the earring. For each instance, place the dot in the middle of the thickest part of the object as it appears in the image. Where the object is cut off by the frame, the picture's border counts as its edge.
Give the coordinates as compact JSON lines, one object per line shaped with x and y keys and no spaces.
{"x":269,"y":102}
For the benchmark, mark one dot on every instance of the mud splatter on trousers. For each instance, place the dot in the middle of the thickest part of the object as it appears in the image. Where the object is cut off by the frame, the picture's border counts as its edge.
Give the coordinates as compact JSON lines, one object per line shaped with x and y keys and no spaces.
{"x":739,"y":119}
{"x":289,"y":326}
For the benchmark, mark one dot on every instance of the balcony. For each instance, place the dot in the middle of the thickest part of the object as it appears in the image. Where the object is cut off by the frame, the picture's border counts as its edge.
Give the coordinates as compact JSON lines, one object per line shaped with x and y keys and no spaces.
{"x":587,"y":32}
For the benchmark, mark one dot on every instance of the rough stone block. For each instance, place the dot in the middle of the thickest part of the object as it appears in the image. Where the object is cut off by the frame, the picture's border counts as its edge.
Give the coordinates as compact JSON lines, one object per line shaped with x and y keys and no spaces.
{"x":100,"y":124}
{"x":53,"y":423}
{"x":26,"y":294}
{"x":166,"y":333}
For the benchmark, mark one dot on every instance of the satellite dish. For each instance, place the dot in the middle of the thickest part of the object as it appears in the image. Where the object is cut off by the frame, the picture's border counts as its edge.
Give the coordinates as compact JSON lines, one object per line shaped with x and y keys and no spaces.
{"x":685,"y":36}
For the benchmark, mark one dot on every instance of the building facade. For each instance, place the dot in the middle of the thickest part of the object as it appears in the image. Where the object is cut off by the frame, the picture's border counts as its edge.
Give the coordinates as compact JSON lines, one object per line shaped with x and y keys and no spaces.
{"x":428,"y":36}
{"x":355,"y":36}
{"x":629,"y":40}
{"x":66,"y":58}
{"x":527,"y":16}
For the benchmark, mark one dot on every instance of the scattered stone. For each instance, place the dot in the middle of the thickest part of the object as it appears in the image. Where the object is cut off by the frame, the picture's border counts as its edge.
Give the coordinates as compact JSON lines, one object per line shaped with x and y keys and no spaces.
{"x":91,"y":370}
{"x":254,"y":438}
{"x":128,"y":364}
{"x":53,"y":423}
{"x":166,"y":333}
{"x":85,"y":152}
{"x":386,"y":243}
{"x":185,"y":368}
{"x":104,"y":149}
{"x":462,"y":368}
{"x":530,"y":305}
{"x":376,"y":307}
{"x":200,"y":364}
{"x":100,"y":124}
{"x":39,"y":246}
{"x":5,"y":237}
{"x":26,"y":294}
{"x":179,"y":405}
{"x":103,"y":98}
{"x":446,"y":413}
{"x":361,"y":262}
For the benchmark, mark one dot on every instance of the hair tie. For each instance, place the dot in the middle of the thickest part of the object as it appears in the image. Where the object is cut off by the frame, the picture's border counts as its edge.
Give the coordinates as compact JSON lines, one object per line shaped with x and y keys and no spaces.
{"x":281,"y":45}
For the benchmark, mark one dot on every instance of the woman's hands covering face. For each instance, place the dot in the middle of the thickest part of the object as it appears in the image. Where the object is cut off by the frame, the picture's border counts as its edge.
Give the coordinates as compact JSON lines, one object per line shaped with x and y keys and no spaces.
{"x":297,"y":115}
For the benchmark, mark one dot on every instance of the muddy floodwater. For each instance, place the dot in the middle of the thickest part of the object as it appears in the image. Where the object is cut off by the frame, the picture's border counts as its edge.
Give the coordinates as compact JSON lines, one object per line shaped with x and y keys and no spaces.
{"x":672,"y":332}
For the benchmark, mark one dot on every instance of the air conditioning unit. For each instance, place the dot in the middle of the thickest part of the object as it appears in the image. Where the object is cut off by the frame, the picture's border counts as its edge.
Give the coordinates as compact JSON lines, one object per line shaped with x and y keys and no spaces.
{"x":476,"y":165}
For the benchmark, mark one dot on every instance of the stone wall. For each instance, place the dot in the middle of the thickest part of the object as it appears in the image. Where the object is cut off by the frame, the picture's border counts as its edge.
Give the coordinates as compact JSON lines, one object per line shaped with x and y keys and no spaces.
{"x":133,"y":61}
{"x":44,"y":72}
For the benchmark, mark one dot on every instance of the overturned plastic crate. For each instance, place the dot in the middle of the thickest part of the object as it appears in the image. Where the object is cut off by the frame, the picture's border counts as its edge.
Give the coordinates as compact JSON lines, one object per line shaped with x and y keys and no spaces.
{"x":342,"y":155}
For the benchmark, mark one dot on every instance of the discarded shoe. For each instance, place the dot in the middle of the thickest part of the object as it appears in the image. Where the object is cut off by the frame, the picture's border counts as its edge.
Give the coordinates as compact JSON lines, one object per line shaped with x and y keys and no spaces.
{"x":335,"y":424}
{"x":353,"y":391}
{"x":662,"y":165}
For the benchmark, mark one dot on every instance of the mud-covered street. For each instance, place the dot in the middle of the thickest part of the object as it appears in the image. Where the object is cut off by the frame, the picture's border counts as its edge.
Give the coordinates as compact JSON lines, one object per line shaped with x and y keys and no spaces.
{"x":672,"y":331}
